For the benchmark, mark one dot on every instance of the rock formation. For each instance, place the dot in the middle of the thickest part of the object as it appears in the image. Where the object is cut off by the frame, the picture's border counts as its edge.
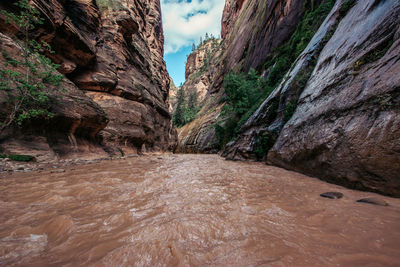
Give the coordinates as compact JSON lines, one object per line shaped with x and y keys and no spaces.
{"x":335,"y":114}
{"x":346,"y":128}
{"x":246,"y":25}
{"x":112,"y":55}
{"x":200,"y":71}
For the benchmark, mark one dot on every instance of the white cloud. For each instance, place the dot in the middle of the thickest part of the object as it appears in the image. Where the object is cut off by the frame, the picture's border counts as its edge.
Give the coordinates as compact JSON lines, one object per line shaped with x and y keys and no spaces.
{"x":185,"y":22}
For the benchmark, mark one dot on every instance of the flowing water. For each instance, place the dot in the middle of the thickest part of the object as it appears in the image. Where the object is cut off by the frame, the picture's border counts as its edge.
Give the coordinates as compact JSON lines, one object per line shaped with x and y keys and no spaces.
{"x":189,"y":210}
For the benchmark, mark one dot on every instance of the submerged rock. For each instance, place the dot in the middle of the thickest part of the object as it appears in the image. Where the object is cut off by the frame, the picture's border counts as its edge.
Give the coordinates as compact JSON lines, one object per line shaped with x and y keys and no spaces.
{"x":332,"y":195}
{"x":373,"y":201}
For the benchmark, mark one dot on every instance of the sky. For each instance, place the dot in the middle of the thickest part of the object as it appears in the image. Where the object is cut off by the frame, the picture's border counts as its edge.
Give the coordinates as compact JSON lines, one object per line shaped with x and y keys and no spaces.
{"x":184,"y":21}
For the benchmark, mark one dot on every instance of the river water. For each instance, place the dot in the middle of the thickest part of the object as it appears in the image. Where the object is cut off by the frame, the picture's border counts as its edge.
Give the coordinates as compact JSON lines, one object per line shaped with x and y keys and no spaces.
{"x":189,"y":210}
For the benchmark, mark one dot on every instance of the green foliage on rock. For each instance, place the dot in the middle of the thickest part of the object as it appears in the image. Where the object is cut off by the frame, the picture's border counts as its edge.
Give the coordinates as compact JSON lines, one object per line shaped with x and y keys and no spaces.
{"x":242,"y":91}
{"x":29,"y":79}
{"x":346,"y":6}
{"x":244,"y":97}
{"x":375,"y":54}
{"x":263,"y":143}
{"x":24,"y":158}
{"x":185,"y":111}
{"x":289,"y":110}
{"x":178,"y":116}
{"x":284,"y":56}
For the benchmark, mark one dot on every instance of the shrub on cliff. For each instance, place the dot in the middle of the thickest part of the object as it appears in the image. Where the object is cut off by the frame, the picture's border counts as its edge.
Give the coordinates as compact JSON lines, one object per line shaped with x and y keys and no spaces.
{"x":242,"y":92}
{"x":29,"y":79}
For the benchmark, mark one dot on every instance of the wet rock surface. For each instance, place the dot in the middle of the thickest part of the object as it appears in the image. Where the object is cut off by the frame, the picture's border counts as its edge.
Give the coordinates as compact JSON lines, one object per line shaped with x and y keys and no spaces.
{"x":347,"y":123}
{"x":332,"y":195}
{"x":373,"y":201}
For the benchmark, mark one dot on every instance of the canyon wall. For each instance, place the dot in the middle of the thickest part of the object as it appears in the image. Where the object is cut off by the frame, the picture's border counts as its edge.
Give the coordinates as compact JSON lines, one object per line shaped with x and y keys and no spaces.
{"x":111,"y":53}
{"x":202,"y":66}
{"x":250,"y":29}
{"x":335,"y":113}
{"x":345,"y":127}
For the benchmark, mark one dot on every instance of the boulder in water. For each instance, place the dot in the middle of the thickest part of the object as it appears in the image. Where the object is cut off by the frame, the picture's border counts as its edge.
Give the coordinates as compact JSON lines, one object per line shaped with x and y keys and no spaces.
{"x":332,"y":195}
{"x":373,"y":201}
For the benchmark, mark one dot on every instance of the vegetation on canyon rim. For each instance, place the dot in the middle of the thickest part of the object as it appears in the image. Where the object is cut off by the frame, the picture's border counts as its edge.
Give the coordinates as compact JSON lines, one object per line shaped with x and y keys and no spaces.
{"x":187,"y":105}
{"x":28,"y":80}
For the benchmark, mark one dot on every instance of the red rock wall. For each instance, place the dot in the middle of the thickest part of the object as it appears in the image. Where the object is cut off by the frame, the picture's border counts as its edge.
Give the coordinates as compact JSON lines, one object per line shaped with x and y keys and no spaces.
{"x":345,"y":128}
{"x":116,"y":57}
{"x":252,"y":28}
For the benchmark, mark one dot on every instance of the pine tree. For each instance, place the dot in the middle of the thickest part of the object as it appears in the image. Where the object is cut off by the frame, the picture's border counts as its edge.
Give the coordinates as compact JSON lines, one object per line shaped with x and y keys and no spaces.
{"x":192,"y":103}
{"x":178,"y":116}
{"x":193,"y":47}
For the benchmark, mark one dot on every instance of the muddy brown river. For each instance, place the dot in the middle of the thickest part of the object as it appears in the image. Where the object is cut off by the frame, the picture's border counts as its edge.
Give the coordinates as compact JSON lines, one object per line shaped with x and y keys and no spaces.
{"x":189,"y":210}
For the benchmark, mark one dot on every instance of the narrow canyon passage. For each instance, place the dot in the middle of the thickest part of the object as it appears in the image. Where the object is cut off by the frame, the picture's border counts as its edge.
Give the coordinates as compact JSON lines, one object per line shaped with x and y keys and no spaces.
{"x":180,"y":210}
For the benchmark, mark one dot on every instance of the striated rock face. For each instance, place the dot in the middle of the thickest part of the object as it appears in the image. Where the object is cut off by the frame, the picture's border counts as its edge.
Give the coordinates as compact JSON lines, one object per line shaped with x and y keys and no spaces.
{"x":261,"y":130}
{"x":77,"y":120}
{"x":231,"y":11}
{"x":335,"y":114}
{"x":255,"y":29}
{"x":201,"y":69}
{"x":172,"y":95}
{"x":345,"y":128}
{"x":115,"y":55}
{"x":198,"y":136}
{"x":201,"y":66}
{"x":251,"y":29}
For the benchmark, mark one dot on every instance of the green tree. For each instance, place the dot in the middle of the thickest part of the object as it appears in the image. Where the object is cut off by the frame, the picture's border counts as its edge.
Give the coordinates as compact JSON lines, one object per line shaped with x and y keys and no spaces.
{"x":192,"y":103}
{"x":178,"y":116}
{"x":190,"y":111}
{"x":242,"y":92}
{"x":29,"y":79}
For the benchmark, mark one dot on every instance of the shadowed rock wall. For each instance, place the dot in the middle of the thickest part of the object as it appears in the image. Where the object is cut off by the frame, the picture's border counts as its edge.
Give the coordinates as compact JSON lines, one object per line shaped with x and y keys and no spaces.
{"x":345,"y":126}
{"x":114,"y":55}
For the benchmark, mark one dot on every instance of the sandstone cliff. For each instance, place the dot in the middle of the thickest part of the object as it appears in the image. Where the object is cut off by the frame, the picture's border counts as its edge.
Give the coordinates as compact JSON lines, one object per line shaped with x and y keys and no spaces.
{"x":250,"y":32}
{"x":345,"y":127}
{"x":335,"y":113}
{"x":112,"y":55}
{"x":201,"y":68}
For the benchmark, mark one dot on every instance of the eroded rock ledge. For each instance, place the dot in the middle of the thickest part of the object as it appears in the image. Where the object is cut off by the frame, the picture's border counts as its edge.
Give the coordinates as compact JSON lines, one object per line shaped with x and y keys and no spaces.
{"x":116,"y":80}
